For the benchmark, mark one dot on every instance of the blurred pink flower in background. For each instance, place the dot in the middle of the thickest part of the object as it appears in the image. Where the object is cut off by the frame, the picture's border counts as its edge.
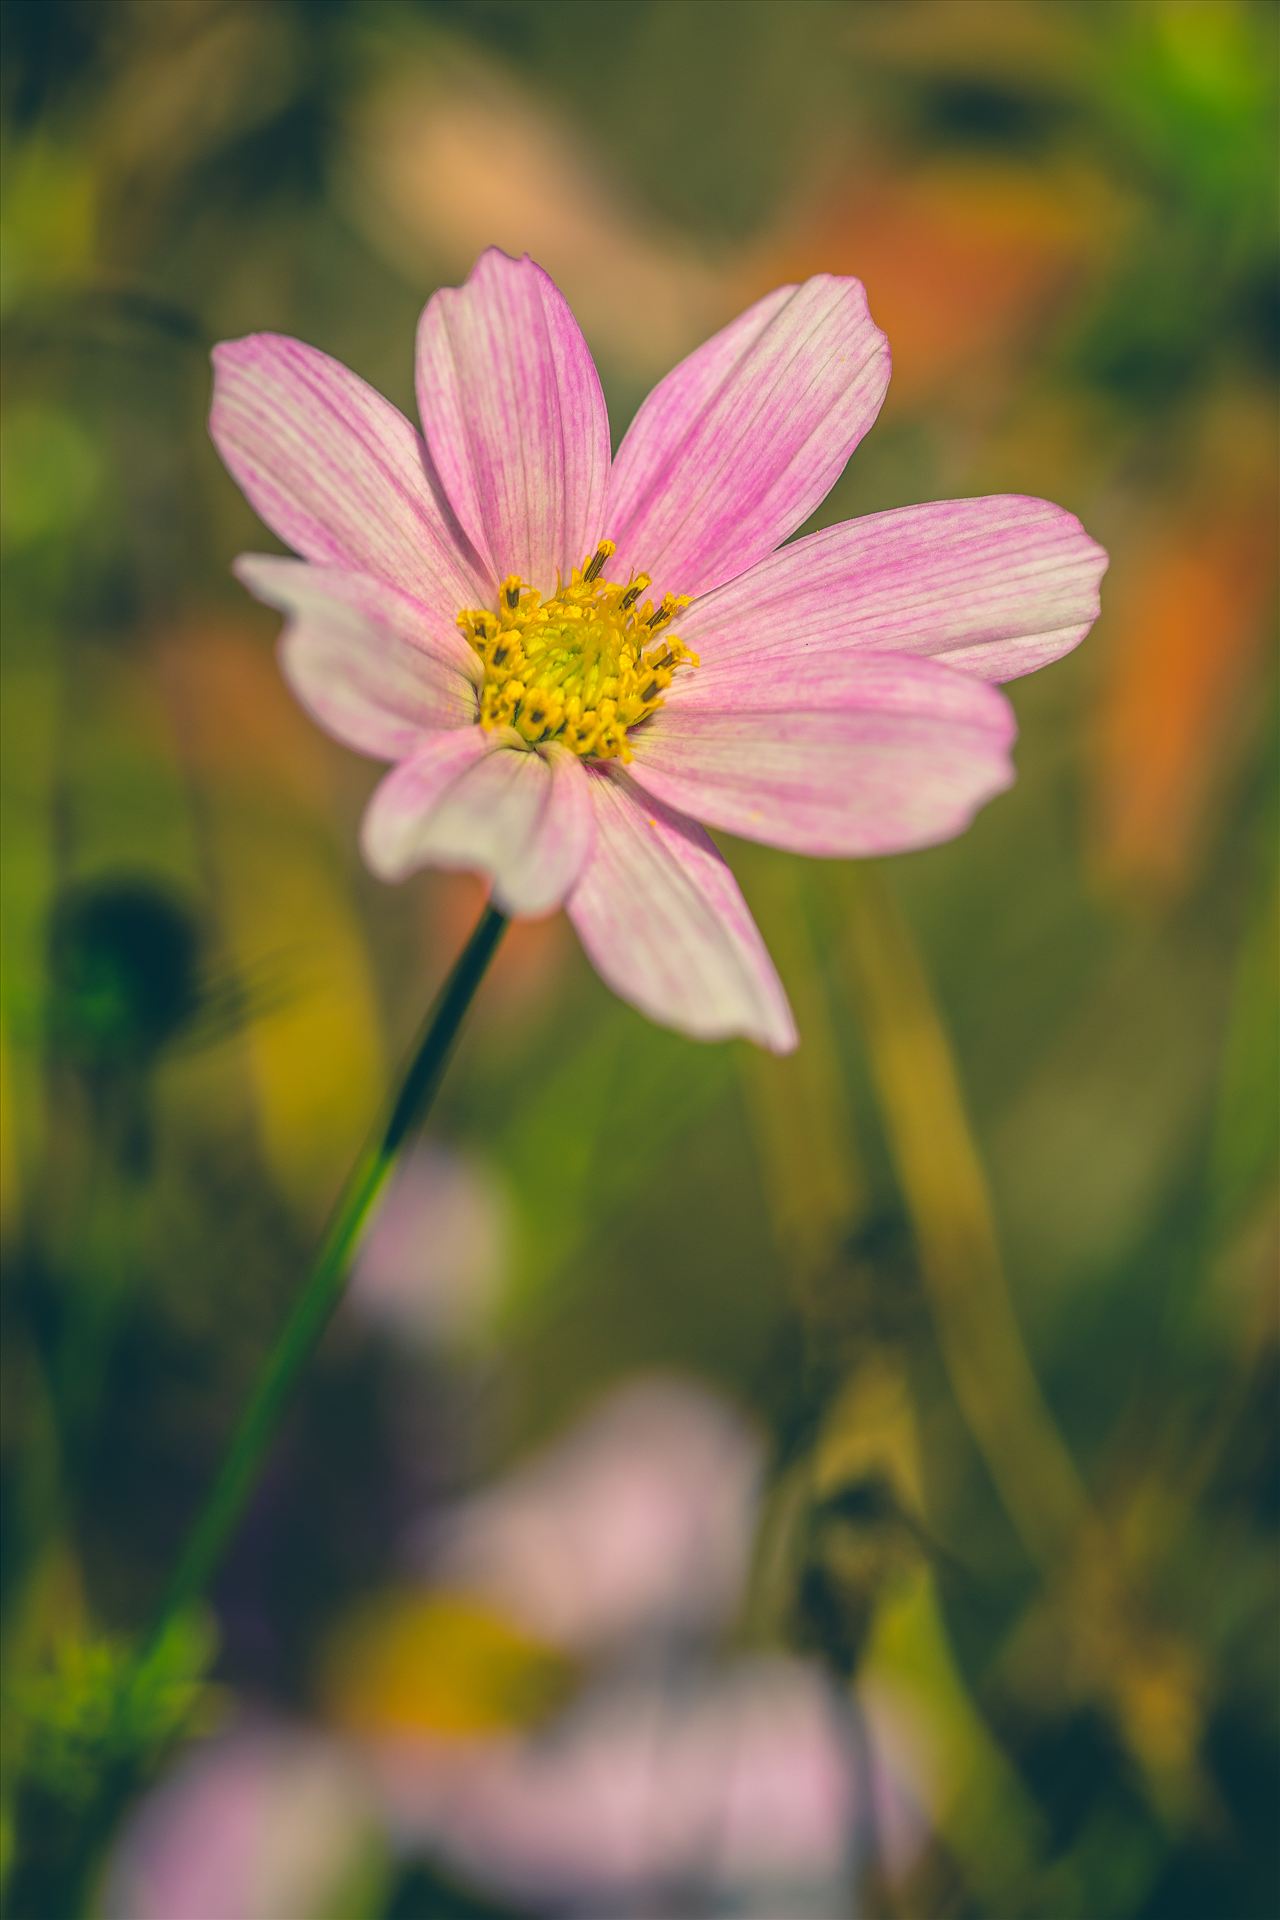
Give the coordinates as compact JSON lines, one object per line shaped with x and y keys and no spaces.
{"x":636,"y":1522}
{"x":627,"y":1541}
{"x":674,"y":1771}
{"x":493,"y":608}
{"x":261,"y":1823}
{"x":431,"y":1265}
{"x":740,"y":1781}
{"x":739,"y":1785}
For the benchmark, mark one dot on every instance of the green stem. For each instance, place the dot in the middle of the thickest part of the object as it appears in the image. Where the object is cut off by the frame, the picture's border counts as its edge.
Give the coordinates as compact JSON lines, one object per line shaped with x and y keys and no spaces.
{"x":60,"y":1844}
{"x":315,"y":1304}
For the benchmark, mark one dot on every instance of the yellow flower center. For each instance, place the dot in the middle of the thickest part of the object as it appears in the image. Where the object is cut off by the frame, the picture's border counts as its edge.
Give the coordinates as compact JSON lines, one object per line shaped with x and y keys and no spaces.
{"x":583,"y":667}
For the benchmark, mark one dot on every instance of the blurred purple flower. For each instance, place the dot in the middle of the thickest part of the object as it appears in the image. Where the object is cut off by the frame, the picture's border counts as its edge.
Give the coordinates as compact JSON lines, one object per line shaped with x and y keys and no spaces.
{"x":636,"y":1522}
{"x":492,"y":608}
{"x":431,"y":1265}
{"x":740,"y":1788}
{"x":737,"y":1784}
{"x":259,"y":1824}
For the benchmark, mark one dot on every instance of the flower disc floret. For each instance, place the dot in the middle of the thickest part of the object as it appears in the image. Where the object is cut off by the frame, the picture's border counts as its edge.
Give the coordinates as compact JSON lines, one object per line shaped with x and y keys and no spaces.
{"x":582,"y":667}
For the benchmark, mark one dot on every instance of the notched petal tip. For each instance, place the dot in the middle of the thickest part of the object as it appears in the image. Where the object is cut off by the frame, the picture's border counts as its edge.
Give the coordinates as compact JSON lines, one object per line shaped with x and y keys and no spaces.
{"x":230,"y":357}
{"x":873,"y":341}
{"x":782,"y":1038}
{"x":223,"y":350}
{"x":389,"y":864}
{"x":853,"y":288}
{"x":989,"y":707}
{"x":1059,"y":518}
{"x":497,"y":258}
{"x":261,"y":575}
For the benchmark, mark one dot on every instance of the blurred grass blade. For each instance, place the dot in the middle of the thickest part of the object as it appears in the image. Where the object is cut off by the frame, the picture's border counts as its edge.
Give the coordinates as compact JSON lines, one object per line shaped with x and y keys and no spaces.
{"x":945,"y":1190}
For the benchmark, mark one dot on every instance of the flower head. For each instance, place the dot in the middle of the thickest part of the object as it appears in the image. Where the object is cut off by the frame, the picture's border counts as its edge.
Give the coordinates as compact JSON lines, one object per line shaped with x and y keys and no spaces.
{"x":583,"y":666}
{"x":572,"y":661}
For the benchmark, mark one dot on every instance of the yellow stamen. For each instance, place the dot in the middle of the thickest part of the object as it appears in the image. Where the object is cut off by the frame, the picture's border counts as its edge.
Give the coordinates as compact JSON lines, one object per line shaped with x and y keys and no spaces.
{"x":582,"y":667}
{"x":605,"y":551}
{"x":634,"y":591}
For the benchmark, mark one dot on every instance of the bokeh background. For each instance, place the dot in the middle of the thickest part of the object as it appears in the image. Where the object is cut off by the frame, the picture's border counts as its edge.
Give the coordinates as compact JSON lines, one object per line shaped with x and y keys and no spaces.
{"x":845,"y":1484}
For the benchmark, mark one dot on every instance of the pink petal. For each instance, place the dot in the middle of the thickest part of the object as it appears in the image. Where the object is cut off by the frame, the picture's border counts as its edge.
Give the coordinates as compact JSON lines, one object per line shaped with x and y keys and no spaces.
{"x":403,"y":801}
{"x":476,"y":800}
{"x":663,"y":922}
{"x":515,"y":419}
{"x":538,"y":874}
{"x":736,"y":1784}
{"x":362,"y":658}
{"x":434,"y":1262}
{"x":856,"y":755}
{"x":996,"y":587}
{"x":262,"y":1820}
{"x":336,"y":471}
{"x":737,"y":446}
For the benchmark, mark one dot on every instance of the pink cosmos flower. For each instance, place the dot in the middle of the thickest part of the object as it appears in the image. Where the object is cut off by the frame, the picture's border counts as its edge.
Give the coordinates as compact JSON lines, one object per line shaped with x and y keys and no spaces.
{"x":572,"y":660}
